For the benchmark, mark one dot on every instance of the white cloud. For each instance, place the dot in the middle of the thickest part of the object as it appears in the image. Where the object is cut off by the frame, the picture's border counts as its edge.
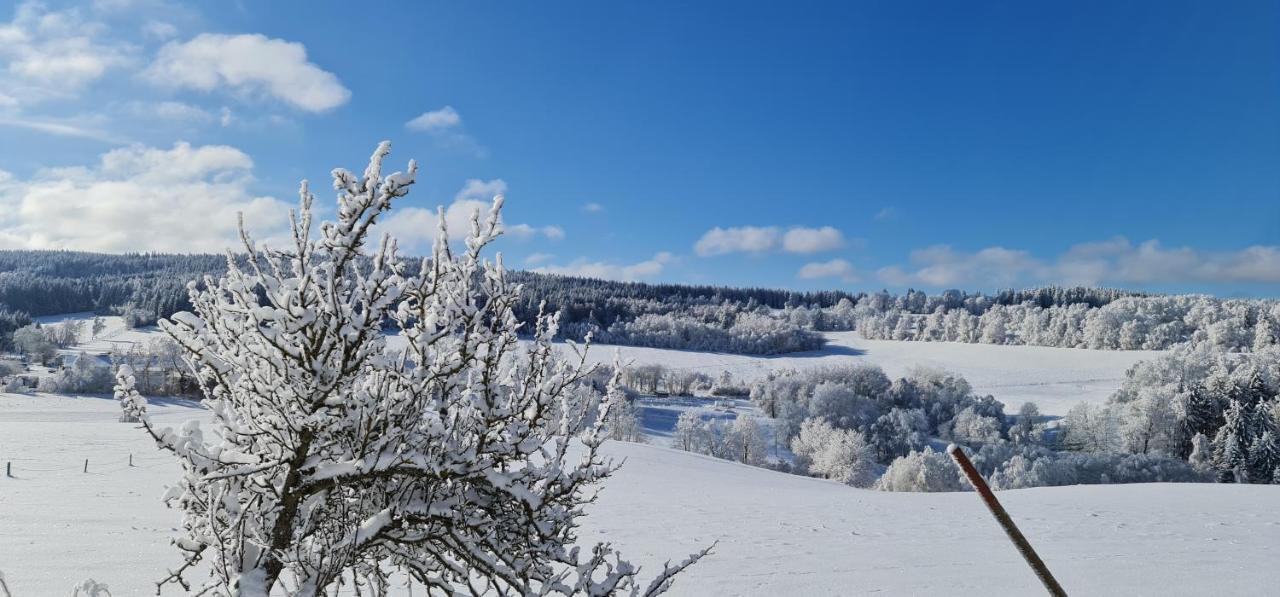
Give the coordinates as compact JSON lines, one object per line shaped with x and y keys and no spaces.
{"x":743,"y":239}
{"x":182,"y":199}
{"x":886,"y":213}
{"x":763,"y":239}
{"x":48,"y":54}
{"x":476,"y":189}
{"x":536,"y":258}
{"x":170,"y":110}
{"x":445,"y":126}
{"x":1114,"y":261}
{"x":584,"y":268}
{"x":836,"y":268}
{"x":415,"y":227}
{"x":248,"y":64}
{"x":526,"y":232}
{"x":445,"y":118}
{"x":812,"y":240}
{"x":592,"y":208}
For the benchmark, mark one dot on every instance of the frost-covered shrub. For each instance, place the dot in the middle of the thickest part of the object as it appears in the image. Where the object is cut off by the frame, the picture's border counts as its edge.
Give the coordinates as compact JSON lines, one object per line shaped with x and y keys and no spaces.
{"x":922,"y":471}
{"x":330,"y":458}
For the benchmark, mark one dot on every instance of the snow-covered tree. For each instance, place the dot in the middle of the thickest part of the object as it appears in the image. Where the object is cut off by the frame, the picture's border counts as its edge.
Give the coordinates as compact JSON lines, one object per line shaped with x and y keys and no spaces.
{"x":1231,"y":444}
{"x":621,"y":421}
{"x":745,"y":442}
{"x":1027,"y":429}
{"x":688,"y":434}
{"x":839,"y":454}
{"x":974,"y":429}
{"x":922,"y":471}
{"x":332,"y":458}
{"x":34,"y":341}
{"x":1201,"y":453}
{"x":1264,"y":457}
{"x":97,"y":327}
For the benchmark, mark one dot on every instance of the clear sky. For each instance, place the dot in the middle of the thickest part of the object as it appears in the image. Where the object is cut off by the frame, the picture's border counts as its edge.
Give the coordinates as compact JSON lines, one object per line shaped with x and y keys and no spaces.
{"x":853,"y":145}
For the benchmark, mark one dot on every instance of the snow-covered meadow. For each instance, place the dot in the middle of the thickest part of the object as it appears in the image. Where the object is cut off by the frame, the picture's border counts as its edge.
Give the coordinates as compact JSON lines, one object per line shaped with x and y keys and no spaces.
{"x":1054,"y":378}
{"x":776,"y":534}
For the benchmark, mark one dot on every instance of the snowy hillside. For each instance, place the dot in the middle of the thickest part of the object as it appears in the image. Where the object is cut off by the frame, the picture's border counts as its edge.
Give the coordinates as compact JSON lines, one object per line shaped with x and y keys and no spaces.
{"x":778,"y":534}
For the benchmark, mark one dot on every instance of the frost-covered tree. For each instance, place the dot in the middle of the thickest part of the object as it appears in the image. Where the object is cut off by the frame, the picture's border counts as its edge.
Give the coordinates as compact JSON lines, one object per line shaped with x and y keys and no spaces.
{"x":1264,"y":457}
{"x":34,"y":341}
{"x":1231,"y":444}
{"x":688,"y":434}
{"x":1201,"y":457}
{"x":331,"y":458}
{"x":621,"y":421}
{"x":922,"y":471}
{"x":745,"y":442}
{"x":97,"y":327}
{"x":1027,"y":429}
{"x":839,"y":454}
{"x":975,"y":429}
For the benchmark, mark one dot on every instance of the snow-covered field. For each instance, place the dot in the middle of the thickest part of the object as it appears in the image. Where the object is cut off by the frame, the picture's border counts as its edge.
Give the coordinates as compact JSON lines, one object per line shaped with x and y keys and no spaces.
{"x":1055,"y":378}
{"x":778,"y":534}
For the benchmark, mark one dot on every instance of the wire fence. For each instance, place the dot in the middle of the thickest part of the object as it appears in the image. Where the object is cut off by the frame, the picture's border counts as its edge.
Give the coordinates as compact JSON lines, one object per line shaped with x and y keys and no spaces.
{"x":100,"y":465}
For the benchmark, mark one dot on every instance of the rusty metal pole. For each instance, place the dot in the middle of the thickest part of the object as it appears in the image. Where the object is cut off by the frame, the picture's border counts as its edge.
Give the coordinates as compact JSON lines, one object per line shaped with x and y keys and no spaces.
{"x":1002,"y":517}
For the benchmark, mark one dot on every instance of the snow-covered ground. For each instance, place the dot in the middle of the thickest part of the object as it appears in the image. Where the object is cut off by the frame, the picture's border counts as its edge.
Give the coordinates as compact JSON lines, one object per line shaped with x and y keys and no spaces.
{"x":777,"y":534}
{"x":115,"y":335}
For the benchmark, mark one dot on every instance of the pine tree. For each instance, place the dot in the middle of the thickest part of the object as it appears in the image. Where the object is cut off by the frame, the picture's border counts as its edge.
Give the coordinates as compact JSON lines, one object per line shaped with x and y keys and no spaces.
{"x":1264,"y":458}
{"x":1230,"y":445}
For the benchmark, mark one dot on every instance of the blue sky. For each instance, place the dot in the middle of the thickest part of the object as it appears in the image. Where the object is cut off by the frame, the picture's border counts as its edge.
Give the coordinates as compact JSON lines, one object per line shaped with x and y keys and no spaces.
{"x":855,"y":145}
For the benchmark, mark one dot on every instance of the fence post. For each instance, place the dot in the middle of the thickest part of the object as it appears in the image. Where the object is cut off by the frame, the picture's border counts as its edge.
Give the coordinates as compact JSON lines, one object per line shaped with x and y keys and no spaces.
{"x":131,"y":459}
{"x":8,"y":469}
{"x":86,"y":465}
{"x":1002,"y":517}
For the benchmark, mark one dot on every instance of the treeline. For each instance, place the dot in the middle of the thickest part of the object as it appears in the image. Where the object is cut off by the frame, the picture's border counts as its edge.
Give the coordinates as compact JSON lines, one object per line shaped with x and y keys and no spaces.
{"x":1068,"y":318}
{"x":143,"y":287}
{"x":146,"y":287}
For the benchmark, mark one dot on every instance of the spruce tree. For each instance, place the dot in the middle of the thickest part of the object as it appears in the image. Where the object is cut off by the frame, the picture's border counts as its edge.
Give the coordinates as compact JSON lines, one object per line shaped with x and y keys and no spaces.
{"x":1264,"y":458}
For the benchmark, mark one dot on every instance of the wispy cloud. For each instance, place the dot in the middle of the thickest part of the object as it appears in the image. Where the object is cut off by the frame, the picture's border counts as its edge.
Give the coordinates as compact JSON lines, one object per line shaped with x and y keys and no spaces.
{"x":592,"y":208}
{"x":416,"y":227}
{"x":836,"y":268}
{"x":63,"y":129}
{"x":585,"y":268}
{"x":49,"y":54}
{"x":1115,"y":261}
{"x":445,"y":125}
